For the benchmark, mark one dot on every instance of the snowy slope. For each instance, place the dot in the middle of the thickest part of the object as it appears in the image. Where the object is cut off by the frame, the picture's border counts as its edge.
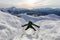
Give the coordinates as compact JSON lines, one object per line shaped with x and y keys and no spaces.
{"x":10,"y":26}
{"x":49,"y":30}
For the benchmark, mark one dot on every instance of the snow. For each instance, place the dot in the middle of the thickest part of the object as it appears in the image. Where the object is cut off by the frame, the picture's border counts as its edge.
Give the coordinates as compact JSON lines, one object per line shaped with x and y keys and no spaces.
{"x":10,"y":28}
{"x":49,"y":30}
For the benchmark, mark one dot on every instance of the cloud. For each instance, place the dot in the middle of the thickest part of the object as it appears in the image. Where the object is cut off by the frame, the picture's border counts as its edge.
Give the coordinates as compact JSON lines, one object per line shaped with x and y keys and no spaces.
{"x":23,"y":3}
{"x":49,"y":3}
{"x":4,"y":5}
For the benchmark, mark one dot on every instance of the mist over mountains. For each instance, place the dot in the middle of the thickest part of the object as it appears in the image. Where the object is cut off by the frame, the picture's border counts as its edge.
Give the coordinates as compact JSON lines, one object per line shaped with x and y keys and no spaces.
{"x":34,"y":11}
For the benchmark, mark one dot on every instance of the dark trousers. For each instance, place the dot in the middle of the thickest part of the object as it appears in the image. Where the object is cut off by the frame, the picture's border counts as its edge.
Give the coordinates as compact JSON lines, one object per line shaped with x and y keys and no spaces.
{"x":30,"y":27}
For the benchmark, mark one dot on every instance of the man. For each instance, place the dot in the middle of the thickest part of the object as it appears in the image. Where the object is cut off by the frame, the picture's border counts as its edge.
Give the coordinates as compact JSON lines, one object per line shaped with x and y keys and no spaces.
{"x":30,"y":25}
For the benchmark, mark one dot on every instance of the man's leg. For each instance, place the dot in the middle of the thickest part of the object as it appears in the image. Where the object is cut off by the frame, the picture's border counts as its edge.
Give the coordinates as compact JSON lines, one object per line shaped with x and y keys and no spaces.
{"x":33,"y":28}
{"x":27,"y":28}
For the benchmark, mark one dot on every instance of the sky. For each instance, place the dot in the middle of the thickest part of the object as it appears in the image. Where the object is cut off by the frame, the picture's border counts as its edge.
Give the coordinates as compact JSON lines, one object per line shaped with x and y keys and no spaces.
{"x":30,"y":3}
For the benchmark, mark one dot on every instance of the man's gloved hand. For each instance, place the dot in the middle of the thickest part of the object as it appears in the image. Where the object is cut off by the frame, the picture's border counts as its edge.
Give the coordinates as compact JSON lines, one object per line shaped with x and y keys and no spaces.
{"x":38,"y":26}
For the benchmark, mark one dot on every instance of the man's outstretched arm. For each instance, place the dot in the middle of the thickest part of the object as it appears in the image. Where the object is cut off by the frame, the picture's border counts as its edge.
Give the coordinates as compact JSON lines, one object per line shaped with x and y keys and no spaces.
{"x":36,"y":25}
{"x":24,"y":25}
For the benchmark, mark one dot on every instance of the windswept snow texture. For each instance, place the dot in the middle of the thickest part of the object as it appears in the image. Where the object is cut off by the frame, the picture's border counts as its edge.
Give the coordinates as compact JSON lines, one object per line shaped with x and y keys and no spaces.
{"x":10,"y":28}
{"x":49,"y":30}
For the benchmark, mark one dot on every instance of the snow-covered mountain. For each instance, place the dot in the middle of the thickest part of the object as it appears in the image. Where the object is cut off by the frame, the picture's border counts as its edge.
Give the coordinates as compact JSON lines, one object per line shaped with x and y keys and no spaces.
{"x":10,"y":27}
{"x":34,"y":11}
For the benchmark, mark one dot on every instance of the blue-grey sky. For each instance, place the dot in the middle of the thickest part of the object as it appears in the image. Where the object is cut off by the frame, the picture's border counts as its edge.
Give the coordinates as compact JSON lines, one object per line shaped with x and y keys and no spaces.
{"x":29,"y":3}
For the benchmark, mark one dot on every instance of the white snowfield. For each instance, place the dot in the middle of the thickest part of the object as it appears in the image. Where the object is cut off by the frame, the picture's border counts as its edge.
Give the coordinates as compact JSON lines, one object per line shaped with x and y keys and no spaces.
{"x":10,"y":29}
{"x":10,"y":26}
{"x":49,"y":30}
